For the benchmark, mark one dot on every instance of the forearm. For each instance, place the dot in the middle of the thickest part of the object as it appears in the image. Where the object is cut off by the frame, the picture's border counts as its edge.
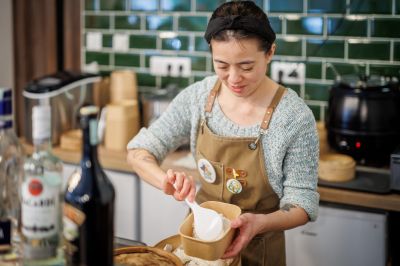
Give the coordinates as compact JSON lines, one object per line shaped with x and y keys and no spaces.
{"x":289,"y":216}
{"x":146,"y":166}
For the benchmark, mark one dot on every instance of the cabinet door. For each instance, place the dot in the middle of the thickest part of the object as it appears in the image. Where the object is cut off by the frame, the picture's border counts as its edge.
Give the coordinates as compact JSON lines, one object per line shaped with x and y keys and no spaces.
{"x":161,"y":215}
{"x":126,"y":204}
{"x":338,"y":237}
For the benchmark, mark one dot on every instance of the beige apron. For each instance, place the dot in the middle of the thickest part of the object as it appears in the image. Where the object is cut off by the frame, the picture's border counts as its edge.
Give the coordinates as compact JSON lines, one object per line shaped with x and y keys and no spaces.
{"x":242,"y":159}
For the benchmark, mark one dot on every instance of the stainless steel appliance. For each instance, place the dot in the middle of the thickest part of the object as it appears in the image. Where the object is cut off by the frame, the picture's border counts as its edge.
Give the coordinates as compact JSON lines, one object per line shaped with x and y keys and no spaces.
{"x":362,"y":118}
{"x":65,"y":92}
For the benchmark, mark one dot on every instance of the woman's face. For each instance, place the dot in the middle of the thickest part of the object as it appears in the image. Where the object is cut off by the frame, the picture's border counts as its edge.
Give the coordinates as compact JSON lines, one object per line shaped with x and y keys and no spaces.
{"x":241,"y":65}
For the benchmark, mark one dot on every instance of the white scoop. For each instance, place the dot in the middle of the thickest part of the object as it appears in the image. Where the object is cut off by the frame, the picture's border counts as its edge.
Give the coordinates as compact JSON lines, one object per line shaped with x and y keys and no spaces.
{"x":208,"y":224}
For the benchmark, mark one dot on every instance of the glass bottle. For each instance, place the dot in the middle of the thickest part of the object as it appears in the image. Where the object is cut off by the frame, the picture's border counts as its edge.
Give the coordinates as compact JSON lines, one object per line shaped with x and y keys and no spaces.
{"x":41,"y":195}
{"x":11,"y":174}
{"x":89,"y":203}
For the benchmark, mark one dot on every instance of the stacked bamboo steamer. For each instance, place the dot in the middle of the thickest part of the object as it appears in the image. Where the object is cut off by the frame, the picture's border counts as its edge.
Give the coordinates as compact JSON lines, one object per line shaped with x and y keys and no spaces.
{"x":333,"y":167}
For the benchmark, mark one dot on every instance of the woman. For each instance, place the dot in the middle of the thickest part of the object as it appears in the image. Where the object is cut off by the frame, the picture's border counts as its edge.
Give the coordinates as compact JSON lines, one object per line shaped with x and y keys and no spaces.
{"x":254,"y":141}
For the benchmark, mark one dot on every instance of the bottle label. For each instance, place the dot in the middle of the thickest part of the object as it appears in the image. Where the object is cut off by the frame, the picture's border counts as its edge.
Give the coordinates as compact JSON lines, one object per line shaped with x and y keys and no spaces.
{"x":72,"y":219}
{"x":40,"y":207}
{"x":5,"y":234}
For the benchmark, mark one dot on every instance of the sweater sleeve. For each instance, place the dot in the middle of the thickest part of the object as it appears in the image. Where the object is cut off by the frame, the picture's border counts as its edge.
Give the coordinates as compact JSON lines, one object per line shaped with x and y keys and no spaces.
{"x":300,"y":167}
{"x":169,"y":131}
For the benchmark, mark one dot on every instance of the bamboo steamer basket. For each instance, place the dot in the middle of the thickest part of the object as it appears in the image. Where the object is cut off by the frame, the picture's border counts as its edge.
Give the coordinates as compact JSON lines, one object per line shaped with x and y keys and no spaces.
{"x":123,"y":86}
{"x":175,"y":241}
{"x":323,"y":138}
{"x":174,"y":260}
{"x":336,"y":167}
{"x":208,"y":250}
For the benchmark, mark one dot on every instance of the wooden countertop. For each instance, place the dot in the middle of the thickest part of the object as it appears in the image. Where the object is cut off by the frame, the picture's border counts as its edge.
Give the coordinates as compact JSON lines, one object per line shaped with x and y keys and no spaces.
{"x":116,"y":160}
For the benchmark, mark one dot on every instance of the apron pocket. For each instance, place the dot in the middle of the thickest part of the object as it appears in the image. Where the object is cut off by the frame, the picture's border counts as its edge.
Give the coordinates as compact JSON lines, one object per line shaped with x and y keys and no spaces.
{"x":254,"y":253}
{"x":210,"y":191}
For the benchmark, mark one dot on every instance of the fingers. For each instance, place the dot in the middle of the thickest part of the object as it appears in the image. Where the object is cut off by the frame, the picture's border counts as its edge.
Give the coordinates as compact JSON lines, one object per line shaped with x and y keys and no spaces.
{"x":236,"y":246}
{"x":179,"y":185}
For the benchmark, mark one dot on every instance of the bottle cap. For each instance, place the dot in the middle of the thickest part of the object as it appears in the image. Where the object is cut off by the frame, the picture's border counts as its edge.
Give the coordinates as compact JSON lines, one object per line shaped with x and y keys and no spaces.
{"x":41,"y":122}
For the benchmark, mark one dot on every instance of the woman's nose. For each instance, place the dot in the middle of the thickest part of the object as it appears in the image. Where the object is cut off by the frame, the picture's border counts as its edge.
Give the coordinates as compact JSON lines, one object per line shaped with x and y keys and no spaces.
{"x":234,"y":76}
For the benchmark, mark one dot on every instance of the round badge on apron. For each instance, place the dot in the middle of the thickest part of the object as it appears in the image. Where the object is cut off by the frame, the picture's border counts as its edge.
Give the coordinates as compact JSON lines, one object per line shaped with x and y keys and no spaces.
{"x":234,"y":186}
{"x":206,"y":170}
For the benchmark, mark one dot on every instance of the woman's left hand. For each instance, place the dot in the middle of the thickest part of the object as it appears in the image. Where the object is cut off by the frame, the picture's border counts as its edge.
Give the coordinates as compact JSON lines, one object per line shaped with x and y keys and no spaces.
{"x":246,"y":224}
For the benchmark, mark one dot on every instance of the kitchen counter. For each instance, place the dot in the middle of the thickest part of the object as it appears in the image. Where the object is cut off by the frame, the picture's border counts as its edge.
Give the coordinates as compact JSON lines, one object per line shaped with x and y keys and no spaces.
{"x":115,"y":160}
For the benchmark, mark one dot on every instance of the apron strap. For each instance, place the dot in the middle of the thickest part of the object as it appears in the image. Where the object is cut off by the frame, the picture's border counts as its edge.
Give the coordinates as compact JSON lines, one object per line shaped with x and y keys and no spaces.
{"x":212,"y":96}
{"x":274,"y":103}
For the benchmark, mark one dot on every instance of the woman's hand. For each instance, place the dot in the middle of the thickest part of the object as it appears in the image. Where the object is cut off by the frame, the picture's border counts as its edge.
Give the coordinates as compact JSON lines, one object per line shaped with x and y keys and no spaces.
{"x":179,"y":185}
{"x":246,"y":224}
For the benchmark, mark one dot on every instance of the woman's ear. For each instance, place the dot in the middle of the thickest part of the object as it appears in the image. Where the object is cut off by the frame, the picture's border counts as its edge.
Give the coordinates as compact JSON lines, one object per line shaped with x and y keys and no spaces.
{"x":270,"y":53}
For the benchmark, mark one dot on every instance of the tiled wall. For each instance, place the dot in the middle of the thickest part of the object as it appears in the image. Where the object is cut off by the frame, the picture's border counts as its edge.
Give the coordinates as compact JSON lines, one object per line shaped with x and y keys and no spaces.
{"x":353,"y":35}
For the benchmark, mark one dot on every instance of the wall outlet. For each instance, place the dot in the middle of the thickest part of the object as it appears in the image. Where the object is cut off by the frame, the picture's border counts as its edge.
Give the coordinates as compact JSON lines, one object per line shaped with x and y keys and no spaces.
{"x":170,"y":66}
{"x":288,"y":73}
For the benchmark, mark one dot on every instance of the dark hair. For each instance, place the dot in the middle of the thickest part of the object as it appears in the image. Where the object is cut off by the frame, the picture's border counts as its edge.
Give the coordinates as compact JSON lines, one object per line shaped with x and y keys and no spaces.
{"x":238,"y":20}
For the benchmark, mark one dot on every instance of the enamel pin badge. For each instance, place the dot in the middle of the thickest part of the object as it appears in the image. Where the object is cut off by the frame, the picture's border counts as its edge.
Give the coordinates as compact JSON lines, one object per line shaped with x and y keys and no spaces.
{"x":206,"y":170}
{"x":233,"y":184}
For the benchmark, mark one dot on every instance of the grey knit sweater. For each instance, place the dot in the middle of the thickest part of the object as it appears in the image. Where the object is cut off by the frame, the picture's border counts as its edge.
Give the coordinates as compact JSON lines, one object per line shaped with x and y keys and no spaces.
{"x":290,"y":146}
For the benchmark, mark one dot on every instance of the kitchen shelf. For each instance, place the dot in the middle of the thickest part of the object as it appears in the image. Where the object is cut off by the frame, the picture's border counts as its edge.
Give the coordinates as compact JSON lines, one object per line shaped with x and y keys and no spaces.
{"x":116,"y":160}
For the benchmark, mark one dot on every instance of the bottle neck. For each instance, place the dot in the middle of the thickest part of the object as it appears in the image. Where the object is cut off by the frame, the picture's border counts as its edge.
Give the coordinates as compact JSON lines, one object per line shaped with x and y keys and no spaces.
{"x":41,"y":145}
{"x":90,"y":140}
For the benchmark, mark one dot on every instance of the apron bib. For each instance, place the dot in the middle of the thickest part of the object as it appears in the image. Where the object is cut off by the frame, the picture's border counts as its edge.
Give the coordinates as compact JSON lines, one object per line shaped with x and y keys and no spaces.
{"x":232,"y":170}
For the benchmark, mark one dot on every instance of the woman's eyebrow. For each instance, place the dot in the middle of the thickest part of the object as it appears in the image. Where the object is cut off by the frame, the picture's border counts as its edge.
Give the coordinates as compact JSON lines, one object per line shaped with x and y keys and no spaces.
{"x":247,"y":62}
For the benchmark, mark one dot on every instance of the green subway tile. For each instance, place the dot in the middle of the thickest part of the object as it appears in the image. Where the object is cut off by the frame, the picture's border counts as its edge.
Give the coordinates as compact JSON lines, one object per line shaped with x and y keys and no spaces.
{"x":396,"y":55}
{"x":373,"y":50}
{"x":92,"y":5}
{"x":200,"y":44}
{"x":105,"y":73}
{"x":316,"y":92}
{"x":100,"y":58}
{"x":145,"y":79}
{"x":177,"y":43}
{"x":178,"y":82}
{"x":198,"y":63}
{"x":108,"y":40}
{"x":175,"y":5}
{"x":305,"y":26}
{"x":316,"y":110}
{"x":129,"y":60}
{"x":325,"y":48}
{"x":385,"y":70}
{"x":192,"y":23}
{"x":97,"y":22}
{"x":346,"y":27}
{"x":286,"y":6}
{"x":389,"y":28}
{"x":295,"y":87}
{"x":199,"y":78}
{"x":288,"y":47}
{"x":344,"y":69}
{"x":208,"y":5}
{"x":370,"y":6}
{"x":276,"y":24}
{"x":318,"y":6}
{"x":159,"y":22}
{"x":143,"y":41}
{"x":117,"y":5}
{"x":313,"y":70}
{"x":131,"y":22}
{"x":140,"y":5}
{"x":397,"y":6}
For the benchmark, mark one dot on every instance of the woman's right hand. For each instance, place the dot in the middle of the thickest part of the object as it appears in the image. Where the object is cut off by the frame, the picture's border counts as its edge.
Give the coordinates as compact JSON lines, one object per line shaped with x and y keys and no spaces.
{"x":179,"y":185}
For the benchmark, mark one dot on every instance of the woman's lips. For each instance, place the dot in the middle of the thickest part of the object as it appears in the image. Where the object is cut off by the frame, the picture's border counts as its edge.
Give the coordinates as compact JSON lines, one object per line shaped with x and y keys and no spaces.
{"x":237,"y":89}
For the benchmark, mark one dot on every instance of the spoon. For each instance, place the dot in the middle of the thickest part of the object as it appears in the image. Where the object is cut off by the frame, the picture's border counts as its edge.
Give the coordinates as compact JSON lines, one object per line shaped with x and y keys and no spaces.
{"x":208,"y":223}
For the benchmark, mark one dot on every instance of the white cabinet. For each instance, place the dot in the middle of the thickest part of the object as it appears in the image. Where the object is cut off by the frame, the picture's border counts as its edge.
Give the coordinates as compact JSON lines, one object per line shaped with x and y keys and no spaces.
{"x":126,"y":201}
{"x":339,"y":237}
{"x":161,"y":215}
